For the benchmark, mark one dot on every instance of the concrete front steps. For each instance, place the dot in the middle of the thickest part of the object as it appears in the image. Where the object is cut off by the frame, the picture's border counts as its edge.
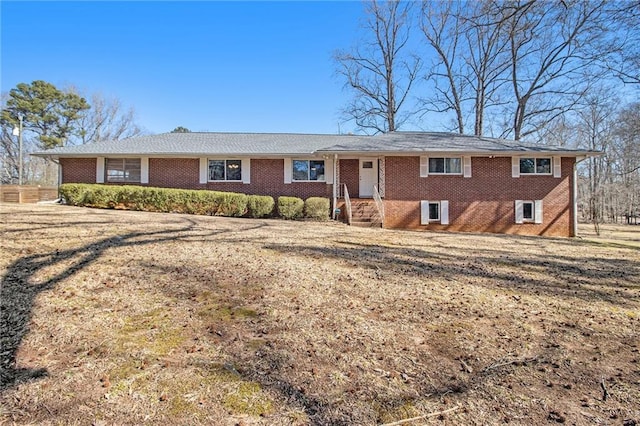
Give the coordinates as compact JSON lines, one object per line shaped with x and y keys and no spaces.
{"x":364,"y":213}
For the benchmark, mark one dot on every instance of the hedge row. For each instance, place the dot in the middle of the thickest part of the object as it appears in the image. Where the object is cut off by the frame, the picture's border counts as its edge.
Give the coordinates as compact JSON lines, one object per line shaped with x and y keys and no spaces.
{"x":169,"y":200}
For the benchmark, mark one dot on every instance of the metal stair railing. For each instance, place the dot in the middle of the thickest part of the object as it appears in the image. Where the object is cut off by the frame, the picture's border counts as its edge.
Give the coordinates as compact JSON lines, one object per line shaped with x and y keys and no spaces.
{"x":347,"y":203}
{"x":379,"y":204}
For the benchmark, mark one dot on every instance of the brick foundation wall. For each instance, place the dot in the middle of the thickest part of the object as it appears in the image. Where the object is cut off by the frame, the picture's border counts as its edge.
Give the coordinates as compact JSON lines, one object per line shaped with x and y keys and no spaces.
{"x":482,"y":203}
{"x":78,"y":170}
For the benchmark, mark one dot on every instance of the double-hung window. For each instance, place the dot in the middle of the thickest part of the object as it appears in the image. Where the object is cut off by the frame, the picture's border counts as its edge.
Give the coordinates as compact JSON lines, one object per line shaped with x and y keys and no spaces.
{"x":126,"y":170}
{"x":227,"y":170}
{"x":445,"y":165}
{"x":528,"y":211}
{"x":308,"y":170}
{"x":535,"y":166}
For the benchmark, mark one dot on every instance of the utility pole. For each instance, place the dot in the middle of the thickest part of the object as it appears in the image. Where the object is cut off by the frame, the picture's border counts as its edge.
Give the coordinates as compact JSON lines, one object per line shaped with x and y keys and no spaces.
{"x":17,"y":131}
{"x":20,"y":152}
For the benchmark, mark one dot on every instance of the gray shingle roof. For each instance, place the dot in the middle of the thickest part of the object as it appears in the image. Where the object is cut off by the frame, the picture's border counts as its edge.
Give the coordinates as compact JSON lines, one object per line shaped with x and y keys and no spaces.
{"x":196,"y":143}
{"x":287,"y":144}
{"x":426,"y":142}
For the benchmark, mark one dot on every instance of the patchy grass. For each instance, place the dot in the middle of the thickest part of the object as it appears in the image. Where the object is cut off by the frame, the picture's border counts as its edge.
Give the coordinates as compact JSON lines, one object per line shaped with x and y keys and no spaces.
{"x":114,"y":317}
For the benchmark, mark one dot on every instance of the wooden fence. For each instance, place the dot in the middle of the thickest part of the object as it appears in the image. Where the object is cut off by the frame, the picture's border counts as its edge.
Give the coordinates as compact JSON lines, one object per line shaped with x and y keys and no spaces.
{"x":27,"y":193}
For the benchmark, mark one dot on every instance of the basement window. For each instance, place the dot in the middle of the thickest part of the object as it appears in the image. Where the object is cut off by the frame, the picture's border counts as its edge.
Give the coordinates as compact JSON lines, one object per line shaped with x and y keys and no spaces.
{"x":122,"y":170}
{"x":527,"y":211}
{"x":434,"y":211}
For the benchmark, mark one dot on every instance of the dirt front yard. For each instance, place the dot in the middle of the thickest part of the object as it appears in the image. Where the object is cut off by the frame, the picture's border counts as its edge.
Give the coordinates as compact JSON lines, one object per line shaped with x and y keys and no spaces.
{"x":116,"y":317}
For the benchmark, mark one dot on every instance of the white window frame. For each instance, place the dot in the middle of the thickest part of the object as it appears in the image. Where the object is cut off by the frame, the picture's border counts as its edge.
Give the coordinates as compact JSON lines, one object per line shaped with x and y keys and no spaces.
{"x":437,"y":204}
{"x":536,"y":211}
{"x":526,"y":203}
{"x":535,"y":172}
{"x":445,"y":173}
{"x":443,"y":212}
{"x":124,"y":170}
{"x":308,"y":161}
{"x":209,"y":160}
{"x":100,"y":174}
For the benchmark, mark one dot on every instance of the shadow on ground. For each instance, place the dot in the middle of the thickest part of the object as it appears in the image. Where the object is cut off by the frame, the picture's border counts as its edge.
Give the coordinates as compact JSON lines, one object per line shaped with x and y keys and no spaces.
{"x":19,"y":286}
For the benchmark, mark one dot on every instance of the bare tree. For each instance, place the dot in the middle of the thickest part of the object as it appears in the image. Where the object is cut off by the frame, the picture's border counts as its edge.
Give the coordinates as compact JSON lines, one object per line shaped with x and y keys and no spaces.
{"x":551,"y":57}
{"x":379,"y":71}
{"x":471,"y":45}
{"x":9,"y":151}
{"x":442,"y":25}
{"x":627,"y":149}
{"x":594,"y":128}
{"x":623,"y":42}
{"x":487,"y":58}
{"x":9,"y":156}
{"x":106,"y":120}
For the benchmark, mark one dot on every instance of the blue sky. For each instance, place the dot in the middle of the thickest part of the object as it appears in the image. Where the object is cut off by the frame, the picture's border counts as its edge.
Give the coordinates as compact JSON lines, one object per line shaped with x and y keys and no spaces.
{"x":208,"y":66}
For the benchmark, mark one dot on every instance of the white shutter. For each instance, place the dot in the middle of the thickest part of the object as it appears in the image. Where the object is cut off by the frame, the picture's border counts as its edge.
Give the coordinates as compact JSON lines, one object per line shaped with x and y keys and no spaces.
{"x":519,"y":212}
{"x":466,"y":163}
{"x":144,"y":170}
{"x":424,"y":212}
{"x":557,"y":167}
{"x":100,"y":170}
{"x":245,"y":167}
{"x":444,"y":212}
{"x":538,"y":211}
{"x":515,"y":167}
{"x":328,"y":170}
{"x":424,"y":166}
{"x":204,"y":170}
{"x":287,"y":170}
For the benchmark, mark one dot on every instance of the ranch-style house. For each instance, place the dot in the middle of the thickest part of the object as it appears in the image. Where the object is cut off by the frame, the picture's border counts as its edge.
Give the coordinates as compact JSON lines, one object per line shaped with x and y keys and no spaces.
{"x":411,"y":180}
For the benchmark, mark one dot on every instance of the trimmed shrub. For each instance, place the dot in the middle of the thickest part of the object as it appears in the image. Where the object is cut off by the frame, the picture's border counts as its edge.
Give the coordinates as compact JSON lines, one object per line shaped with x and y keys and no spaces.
{"x":260,"y":205}
{"x":74,"y":193}
{"x":290,"y":207}
{"x":165,"y":200}
{"x":169,"y":200}
{"x":317,"y":208}
{"x":102,"y":196}
{"x":231,"y":204}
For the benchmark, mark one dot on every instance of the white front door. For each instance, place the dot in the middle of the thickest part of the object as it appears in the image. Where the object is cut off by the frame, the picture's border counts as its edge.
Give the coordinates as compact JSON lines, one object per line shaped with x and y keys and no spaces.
{"x":368,"y":176}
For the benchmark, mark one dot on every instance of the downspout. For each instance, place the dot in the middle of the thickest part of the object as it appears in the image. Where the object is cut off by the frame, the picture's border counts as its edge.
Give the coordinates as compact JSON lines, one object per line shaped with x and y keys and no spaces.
{"x":574,"y":196}
{"x":335,"y":185}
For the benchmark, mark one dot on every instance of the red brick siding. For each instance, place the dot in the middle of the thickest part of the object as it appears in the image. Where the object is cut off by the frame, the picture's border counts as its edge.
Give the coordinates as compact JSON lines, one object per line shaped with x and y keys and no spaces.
{"x":78,"y":170}
{"x":267,"y":177}
{"x":349,"y":175}
{"x":175,"y":173}
{"x":482,"y":203}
